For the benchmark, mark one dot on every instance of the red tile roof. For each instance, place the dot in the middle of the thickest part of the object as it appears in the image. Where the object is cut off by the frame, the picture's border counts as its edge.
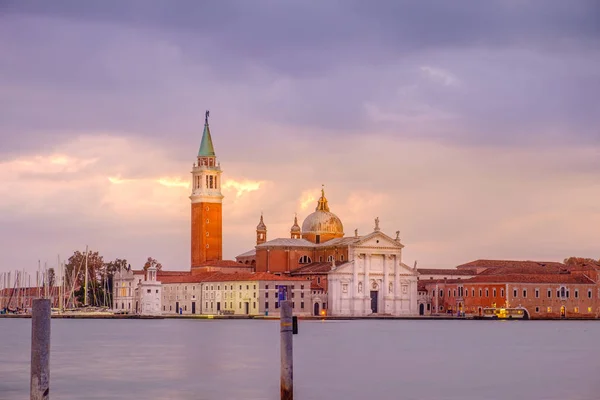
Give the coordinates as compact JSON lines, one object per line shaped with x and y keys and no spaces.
{"x":530,"y":278}
{"x":446,"y":271}
{"x":315,"y":268}
{"x":221,"y":263}
{"x":511,"y":264}
{"x":227,"y":277}
{"x":316,"y":286}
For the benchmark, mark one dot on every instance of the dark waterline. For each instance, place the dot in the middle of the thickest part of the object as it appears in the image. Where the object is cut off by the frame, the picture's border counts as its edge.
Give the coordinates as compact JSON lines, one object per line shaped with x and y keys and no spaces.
{"x":239,"y":359}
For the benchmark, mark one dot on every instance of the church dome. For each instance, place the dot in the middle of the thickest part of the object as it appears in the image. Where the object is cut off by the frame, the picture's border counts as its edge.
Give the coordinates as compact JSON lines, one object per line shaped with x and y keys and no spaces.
{"x":323,"y":222}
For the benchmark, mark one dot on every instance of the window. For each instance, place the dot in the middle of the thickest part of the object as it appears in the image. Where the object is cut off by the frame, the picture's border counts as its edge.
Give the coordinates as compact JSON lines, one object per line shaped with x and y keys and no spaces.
{"x":206,"y":305}
{"x":211,"y":304}
{"x":576,"y":294}
{"x":247,"y":287}
{"x":487,"y":292}
{"x":537,"y":293}
{"x":266,"y":305}
{"x":302,"y":294}
{"x":449,"y":292}
{"x":254,"y":287}
{"x":302,"y":287}
{"x":240,"y":305}
{"x":147,"y":291}
{"x":267,"y":287}
{"x":330,"y":258}
{"x":441,"y":293}
{"x":454,"y":292}
{"x":549,"y":309}
{"x":266,"y":295}
{"x":320,"y":258}
{"x":304,"y":260}
{"x":494,"y":292}
{"x":276,"y":305}
{"x":515,"y":293}
{"x":218,"y":287}
{"x":293,"y":305}
{"x":342,"y":257}
{"x":537,"y":309}
{"x":563,"y":292}
{"x":480,"y":293}
{"x":589,"y":293}
{"x":524,"y":293}
{"x":473,"y":292}
{"x":549,"y":293}
{"x":589,"y":309}
{"x":319,"y":280}
{"x":576,"y":309}
{"x":254,"y":304}
{"x":185,"y":308}
{"x":302,"y":305}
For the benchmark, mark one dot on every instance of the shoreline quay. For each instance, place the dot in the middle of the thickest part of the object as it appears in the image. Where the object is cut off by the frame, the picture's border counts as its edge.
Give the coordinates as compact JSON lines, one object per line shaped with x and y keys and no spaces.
{"x":276,"y":318}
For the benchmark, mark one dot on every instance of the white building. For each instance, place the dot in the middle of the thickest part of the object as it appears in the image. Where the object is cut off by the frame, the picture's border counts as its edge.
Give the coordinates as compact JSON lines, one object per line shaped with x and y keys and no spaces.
{"x":374,"y":280}
{"x":149,"y":291}
{"x":233,"y":294}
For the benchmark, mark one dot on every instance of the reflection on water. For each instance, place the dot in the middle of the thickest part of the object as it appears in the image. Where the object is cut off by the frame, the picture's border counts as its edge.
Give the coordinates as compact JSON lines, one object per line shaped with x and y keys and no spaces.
{"x":239,"y":359}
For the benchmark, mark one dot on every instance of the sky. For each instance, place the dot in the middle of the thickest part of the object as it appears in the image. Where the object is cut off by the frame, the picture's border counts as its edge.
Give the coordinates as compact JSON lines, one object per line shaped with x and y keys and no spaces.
{"x":471,"y":127}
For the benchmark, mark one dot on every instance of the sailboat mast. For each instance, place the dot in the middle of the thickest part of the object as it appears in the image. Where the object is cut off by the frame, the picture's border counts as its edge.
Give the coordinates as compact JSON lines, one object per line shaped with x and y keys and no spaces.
{"x":85,"y":298}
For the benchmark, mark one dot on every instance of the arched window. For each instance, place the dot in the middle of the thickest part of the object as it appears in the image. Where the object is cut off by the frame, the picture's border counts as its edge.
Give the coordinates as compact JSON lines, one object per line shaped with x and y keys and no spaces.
{"x":304,"y":260}
{"x":330,"y":258}
{"x":562,"y":292}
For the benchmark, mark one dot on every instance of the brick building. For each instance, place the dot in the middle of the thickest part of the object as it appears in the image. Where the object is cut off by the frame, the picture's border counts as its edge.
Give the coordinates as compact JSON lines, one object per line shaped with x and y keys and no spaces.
{"x":543,"y":289}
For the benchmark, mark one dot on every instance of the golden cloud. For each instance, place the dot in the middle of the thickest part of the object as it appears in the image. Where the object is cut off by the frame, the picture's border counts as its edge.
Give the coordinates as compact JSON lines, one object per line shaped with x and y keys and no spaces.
{"x":242,"y":187}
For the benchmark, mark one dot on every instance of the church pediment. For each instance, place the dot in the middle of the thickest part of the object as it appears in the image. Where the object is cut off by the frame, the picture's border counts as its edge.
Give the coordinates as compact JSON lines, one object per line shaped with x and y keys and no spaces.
{"x":378,"y":239}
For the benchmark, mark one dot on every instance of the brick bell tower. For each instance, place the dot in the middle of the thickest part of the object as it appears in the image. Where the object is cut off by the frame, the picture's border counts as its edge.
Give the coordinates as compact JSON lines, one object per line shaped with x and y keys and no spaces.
{"x":207,"y":221}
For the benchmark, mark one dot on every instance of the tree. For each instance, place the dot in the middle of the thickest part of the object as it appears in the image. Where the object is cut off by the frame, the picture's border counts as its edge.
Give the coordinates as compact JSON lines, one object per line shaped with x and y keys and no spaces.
{"x":151,"y":262}
{"x":51,"y":277}
{"x":574,"y":261}
{"x":75,"y":276}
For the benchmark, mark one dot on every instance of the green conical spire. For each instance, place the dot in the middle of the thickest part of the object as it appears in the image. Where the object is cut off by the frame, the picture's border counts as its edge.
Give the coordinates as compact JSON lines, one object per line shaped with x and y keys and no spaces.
{"x":206,"y":146}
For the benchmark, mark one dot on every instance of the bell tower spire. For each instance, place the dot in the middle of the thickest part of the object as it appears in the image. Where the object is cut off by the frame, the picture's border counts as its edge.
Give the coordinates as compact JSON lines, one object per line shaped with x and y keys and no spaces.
{"x":261,"y":231}
{"x":206,"y":198}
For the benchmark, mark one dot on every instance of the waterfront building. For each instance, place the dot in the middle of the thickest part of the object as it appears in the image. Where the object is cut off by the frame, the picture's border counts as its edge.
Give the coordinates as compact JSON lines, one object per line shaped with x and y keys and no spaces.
{"x":543,"y":289}
{"x":149,"y":293}
{"x":358,"y":275}
{"x":222,"y":293}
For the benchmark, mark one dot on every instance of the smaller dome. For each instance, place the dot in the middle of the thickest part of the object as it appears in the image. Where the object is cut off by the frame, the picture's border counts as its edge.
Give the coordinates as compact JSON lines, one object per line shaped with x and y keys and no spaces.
{"x":261,"y":225}
{"x":295,"y":227}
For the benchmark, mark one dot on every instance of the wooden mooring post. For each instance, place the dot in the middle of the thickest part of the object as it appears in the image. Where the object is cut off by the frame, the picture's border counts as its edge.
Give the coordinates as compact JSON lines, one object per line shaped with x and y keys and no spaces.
{"x":287,"y":362}
{"x":40,"y":350}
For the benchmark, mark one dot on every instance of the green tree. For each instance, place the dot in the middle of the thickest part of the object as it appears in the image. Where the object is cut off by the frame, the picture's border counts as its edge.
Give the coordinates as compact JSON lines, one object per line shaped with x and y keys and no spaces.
{"x":151,"y":262}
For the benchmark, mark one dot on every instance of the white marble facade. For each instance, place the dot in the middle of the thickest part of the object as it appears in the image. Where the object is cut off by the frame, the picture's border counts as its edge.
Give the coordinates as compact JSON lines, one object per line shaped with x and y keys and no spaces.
{"x":374,"y":281}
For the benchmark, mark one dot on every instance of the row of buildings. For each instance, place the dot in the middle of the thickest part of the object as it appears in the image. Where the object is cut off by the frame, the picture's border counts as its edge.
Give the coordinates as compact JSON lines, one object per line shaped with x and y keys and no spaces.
{"x":329,"y":272}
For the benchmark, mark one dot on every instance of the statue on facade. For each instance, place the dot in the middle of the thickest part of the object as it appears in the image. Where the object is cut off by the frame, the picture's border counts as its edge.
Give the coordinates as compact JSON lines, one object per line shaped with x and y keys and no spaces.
{"x":356,"y":233}
{"x":398,"y":235}
{"x":359,"y":287}
{"x":377,"y":223}
{"x":390,"y":289}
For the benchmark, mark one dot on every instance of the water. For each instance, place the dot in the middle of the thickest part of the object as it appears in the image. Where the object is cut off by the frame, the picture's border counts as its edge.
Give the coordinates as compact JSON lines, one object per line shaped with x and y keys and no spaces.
{"x":239,"y":359}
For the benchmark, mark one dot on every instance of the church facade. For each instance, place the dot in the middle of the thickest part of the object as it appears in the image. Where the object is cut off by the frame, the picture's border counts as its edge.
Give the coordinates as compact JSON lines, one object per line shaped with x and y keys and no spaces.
{"x":349,"y":275}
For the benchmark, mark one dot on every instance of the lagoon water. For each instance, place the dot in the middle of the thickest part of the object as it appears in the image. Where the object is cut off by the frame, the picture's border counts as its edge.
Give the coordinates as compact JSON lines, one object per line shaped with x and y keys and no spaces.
{"x":375,"y":359}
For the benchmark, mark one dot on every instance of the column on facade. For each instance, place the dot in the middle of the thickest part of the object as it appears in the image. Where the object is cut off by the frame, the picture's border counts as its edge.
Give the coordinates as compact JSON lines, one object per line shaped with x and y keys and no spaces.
{"x":396,"y":284}
{"x":355,"y":276}
{"x":367,"y":298}
{"x":386,"y":280}
{"x":367,"y":269}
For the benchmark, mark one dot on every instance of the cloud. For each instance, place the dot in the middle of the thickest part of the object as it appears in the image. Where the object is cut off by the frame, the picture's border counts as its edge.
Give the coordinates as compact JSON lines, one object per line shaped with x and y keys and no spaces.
{"x":472,"y":130}
{"x":439,"y":75}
